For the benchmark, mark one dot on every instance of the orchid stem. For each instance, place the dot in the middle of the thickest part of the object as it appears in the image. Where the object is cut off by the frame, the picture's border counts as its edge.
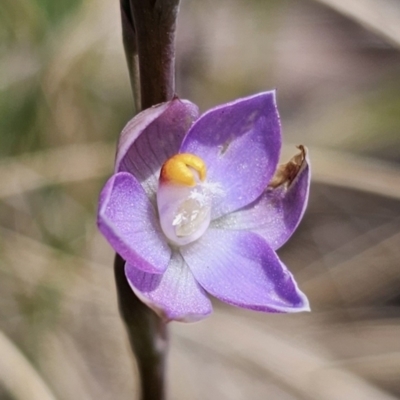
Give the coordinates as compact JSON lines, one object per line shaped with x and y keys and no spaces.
{"x":147,"y":336}
{"x":155,"y":24}
{"x":148,"y":30}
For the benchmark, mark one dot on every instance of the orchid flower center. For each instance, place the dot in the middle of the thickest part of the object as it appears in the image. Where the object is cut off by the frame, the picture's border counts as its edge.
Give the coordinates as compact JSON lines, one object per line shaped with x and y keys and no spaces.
{"x":183,"y":200}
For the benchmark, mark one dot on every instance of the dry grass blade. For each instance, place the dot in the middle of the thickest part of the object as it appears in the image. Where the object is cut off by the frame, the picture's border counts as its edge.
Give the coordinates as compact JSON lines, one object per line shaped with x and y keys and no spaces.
{"x":369,"y":348}
{"x":18,"y":375}
{"x":309,"y":373}
{"x":64,"y":165}
{"x":368,"y":275}
{"x":381,"y":366}
{"x":75,"y":369}
{"x":382,"y":17}
{"x":64,"y":363}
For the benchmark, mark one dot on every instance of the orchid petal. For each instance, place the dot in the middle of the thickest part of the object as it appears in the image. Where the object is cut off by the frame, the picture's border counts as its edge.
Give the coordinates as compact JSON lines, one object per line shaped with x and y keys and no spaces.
{"x":277,"y":212}
{"x":128,"y":221}
{"x":240,"y":144}
{"x":174,"y":295}
{"x":240,"y":268}
{"x":151,"y":137}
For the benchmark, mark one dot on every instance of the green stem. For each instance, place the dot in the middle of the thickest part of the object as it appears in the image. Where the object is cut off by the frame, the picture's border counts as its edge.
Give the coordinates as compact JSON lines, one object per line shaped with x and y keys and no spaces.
{"x":148,"y":29}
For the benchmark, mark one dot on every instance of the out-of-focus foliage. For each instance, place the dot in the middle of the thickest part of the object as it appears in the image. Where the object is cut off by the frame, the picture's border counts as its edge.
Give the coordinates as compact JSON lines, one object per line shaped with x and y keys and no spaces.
{"x":55,"y":87}
{"x":64,"y":97}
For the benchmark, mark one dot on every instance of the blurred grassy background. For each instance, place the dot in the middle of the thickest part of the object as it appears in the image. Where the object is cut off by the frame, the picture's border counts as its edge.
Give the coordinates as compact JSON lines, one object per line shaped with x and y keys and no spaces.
{"x":64,"y":97}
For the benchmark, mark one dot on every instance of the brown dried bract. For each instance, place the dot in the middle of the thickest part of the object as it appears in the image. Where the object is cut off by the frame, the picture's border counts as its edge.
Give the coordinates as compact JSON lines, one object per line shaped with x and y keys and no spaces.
{"x":286,"y":173}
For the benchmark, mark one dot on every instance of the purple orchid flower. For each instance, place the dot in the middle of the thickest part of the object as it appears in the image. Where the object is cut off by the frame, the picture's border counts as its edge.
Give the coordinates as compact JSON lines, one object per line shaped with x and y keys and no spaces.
{"x":197,"y":205}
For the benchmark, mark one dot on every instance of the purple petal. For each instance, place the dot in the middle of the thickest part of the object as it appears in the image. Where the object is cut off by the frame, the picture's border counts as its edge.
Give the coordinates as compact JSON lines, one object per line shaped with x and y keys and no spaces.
{"x":276,"y":213}
{"x":151,"y":137}
{"x":240,"y":144}
{"x":174,"y":295}
{"x":239,"y":267}
{"x":128,"y":221}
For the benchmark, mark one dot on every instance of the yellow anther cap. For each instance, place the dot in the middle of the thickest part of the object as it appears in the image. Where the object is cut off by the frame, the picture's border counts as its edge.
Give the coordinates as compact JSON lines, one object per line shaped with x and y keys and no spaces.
{"x":177,"y":169}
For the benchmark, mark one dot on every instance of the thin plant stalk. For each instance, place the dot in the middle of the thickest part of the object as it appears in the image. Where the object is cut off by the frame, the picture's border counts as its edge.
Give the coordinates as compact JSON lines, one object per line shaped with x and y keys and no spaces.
{"x":147,"y":336}
{"x":148,"y":28}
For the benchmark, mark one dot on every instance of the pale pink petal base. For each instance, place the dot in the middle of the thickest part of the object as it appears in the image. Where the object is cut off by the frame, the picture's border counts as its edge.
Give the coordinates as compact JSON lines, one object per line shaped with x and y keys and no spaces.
{"x":240,"y":268}
{"x":174,"y":295}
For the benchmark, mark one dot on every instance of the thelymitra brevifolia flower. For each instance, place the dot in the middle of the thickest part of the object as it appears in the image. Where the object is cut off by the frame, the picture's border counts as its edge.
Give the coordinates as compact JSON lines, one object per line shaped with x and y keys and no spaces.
{"x":199,"y":205}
